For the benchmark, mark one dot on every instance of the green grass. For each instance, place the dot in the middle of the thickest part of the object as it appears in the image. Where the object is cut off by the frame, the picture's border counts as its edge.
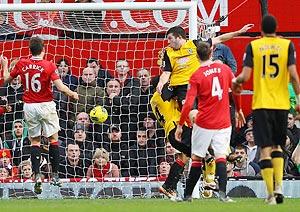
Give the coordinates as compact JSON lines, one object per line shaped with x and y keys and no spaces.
{"x":144,"y":205}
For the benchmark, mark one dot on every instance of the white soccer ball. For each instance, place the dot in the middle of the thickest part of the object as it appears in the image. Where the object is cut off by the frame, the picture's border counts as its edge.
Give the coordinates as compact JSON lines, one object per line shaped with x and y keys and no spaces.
{"x":98,"y":114}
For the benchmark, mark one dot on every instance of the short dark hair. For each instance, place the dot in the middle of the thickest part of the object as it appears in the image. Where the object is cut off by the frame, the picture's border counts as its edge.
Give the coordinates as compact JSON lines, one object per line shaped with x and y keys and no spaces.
{"x":36,"y":45}
{"x":269,"y":24}
{"x":91,"y":60}
{"x":203,"y":50}
{"x":177,"y":31}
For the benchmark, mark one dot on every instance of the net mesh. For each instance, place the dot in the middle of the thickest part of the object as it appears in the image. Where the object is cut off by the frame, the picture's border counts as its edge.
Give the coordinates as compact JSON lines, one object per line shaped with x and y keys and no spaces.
{"x":109,"y":43}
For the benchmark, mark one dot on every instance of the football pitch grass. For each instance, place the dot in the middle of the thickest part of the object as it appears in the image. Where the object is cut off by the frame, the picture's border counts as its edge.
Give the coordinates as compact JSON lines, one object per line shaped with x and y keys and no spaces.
{"x":144,"y":205}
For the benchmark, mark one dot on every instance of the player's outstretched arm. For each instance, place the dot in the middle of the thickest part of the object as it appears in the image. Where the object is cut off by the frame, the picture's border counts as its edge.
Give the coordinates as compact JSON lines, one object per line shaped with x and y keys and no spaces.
{"x":163,"y":79}
{"x":230,"y":35}
{"x":64,"y":89}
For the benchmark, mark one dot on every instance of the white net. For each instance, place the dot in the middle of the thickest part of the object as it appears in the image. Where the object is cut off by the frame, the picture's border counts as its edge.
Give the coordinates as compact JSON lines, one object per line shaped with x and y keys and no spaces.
{"x":108,"y":57}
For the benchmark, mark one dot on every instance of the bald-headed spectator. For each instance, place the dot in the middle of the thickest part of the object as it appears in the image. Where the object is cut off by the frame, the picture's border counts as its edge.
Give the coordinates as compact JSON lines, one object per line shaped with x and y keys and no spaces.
{"x":145,"y":93}
{"x":72,"y":166}
{"x":89,"y":93}
{"x":103,"y":76}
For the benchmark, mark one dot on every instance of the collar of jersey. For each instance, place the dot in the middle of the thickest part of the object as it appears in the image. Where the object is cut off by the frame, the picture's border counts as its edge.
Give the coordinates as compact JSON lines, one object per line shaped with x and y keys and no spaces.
{"x":36,"y":58}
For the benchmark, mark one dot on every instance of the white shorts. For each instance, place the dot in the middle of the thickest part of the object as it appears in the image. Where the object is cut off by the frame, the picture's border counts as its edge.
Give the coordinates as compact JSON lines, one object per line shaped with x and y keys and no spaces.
{"x":203,"y":138}
{"x":41,"y":119}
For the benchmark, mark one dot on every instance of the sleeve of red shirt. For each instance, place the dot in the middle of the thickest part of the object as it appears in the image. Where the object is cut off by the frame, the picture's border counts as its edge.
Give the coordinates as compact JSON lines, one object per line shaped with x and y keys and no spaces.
{"x":189,"y":101}
{"x":15,"y":72}
{"x":2,"y":111}
{"x":54,"y":75}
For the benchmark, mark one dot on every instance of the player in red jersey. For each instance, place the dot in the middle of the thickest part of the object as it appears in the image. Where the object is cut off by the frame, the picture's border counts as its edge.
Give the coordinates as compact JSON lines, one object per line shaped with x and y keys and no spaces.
{"x":39,"y":107}
{"x":210,"y":84}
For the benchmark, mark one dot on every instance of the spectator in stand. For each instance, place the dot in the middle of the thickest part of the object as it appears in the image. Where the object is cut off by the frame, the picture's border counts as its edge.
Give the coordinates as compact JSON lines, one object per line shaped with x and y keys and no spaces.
{"x":164,"y":169}
{"x":86,"y":145}
{"x":296,"y":157}
{"x":4,"y":109}
{"x":103,"y":76}
{"x":145,"y":93}
{"x":19,"y":145}
{"x":170,"y":153}
{"x":116,"y":105}
{"x":6,"y":162}
{"x":290,"y":168}
{"x":142,"y":159}
{"x":102,"y":167}
{"x":61,"y":99}
{"x":93,"y":131}
{"x":72,"y":166}
{"x":25,"y":170}
{"x":293,"y":128}
{"x":12,"y":95}
{"x":244,"y":166}
{"x":4,"y":173}
{"x":128,"y":83}
{"x":118,"y":147}
{"x":155,"y":137}
{"x":223,"y":53}
{"x":253,"y":151}
{"x":65,"y":73}
{"x":89,"y":93}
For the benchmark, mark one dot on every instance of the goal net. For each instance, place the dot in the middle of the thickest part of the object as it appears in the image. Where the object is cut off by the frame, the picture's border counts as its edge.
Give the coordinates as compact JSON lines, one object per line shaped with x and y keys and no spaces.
{"x":108,"y":53}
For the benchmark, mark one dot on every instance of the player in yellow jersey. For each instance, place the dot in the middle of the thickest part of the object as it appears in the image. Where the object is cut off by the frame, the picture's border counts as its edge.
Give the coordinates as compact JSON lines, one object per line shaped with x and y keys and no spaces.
{"x":167,"y":114}
{"x":180,"y":59}
{"x":272,"y":60}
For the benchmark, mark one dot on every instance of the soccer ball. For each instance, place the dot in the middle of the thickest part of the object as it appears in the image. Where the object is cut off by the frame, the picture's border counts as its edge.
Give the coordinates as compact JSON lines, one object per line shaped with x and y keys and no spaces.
{"x":98,"y":114}
{"x":207,"y":194}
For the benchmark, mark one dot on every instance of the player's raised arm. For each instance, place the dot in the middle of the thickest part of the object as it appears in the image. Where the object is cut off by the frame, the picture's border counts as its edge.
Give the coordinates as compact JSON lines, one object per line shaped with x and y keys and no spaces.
{"x":64,"y":89}
{"x":230,"y":35}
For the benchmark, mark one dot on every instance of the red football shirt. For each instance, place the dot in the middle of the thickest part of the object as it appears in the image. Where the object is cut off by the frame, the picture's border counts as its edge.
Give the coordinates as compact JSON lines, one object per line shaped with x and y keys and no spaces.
{"x":210,"y":84}
{"x":36,"y":76}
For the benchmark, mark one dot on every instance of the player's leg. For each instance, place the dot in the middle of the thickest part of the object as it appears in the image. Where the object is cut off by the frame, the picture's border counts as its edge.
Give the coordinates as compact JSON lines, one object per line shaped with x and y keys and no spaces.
{"x":277,"y":154}
{"x":262,"y":130}
{"x":220,"y":144}
{"x":34,"y":133}
{"x":54,"y":158}
{"x":200,"y":142}
{"x":177,"y":168}
{"x":50,"y":126}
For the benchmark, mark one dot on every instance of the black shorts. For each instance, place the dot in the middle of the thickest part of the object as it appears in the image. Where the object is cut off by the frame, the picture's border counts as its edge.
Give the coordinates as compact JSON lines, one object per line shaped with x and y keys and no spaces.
{"x":269,"y":127}
{"x":185,"y":145}
{"x":180,"y":92}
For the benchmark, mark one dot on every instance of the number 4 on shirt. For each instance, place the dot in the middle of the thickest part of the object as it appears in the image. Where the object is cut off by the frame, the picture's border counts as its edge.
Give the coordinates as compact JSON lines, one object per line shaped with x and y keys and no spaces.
{"x":216,"y":89}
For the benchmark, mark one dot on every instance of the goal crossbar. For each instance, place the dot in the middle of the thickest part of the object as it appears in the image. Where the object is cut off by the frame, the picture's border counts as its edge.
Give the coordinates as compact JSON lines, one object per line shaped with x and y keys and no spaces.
{"x":190,"y":6}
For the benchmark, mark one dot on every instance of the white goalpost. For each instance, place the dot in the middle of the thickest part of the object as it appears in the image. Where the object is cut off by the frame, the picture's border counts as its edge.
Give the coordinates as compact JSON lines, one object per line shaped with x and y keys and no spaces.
{"x":83,"y":33}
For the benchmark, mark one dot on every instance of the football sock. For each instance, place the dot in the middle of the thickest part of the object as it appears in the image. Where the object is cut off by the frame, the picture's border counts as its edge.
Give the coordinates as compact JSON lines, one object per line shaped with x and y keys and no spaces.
{"x":267,"y":174}
{"x":54,"y":156}
{"x":36,"y":158}
{"x":193,"y":178}
{"x":278,"y":163}
{"x":221,"y":173}
{"x":174,"y":174}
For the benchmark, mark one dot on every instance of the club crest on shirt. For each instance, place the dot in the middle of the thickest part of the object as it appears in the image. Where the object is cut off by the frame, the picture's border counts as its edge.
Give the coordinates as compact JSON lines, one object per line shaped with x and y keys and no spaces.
{"x":190,"y":51}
